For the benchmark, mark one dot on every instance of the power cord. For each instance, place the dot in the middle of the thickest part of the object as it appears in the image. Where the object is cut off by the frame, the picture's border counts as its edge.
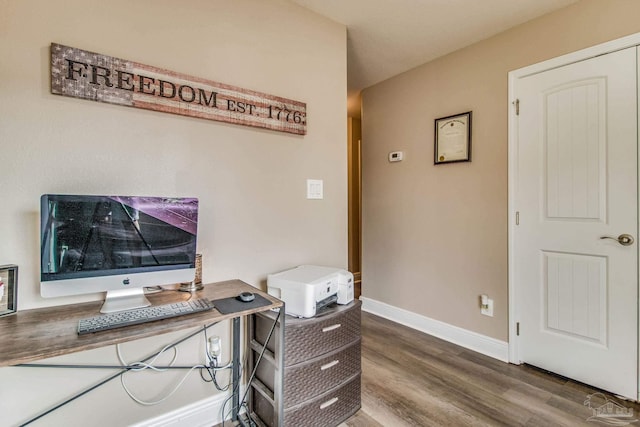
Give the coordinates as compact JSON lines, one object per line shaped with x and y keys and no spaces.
{"x":155,"y":402}
{"x":141,"y":366}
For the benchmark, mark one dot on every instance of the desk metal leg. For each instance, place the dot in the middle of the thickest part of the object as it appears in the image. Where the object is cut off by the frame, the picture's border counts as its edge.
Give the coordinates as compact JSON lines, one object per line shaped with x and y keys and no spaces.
{"x":275,"y":359}
{"x":235,"y":370}
{"x":279,"y":373}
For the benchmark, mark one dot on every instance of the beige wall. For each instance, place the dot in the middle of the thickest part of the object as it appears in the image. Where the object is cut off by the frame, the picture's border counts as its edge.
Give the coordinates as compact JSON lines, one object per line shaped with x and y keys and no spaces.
{"x":254,"y":216}
{"x":435,"y":237}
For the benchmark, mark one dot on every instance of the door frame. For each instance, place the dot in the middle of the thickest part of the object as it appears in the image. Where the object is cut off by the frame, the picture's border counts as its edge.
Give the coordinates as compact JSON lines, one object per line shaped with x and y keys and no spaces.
{"x":514,"y":76}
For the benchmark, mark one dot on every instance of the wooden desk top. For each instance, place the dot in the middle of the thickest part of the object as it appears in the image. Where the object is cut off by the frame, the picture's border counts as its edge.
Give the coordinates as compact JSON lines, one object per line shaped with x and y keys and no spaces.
{"x":31,"y":335}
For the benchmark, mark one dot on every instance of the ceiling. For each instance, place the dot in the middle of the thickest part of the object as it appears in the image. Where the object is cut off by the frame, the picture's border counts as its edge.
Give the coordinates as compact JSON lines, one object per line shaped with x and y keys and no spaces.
{"x":388,"y":37}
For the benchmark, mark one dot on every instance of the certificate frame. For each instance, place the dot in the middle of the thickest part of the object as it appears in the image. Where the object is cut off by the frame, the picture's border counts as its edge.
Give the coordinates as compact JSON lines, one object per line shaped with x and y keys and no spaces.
{"x":8,"y":289}
{"x":452,"y":139}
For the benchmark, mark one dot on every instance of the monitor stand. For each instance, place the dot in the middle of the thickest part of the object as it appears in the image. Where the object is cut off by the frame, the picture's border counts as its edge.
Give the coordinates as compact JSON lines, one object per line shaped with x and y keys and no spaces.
{"x":124,"y":299}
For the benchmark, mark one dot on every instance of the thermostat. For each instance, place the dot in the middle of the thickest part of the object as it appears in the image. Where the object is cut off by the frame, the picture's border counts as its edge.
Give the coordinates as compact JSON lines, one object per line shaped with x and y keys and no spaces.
{"x":396,"y":156}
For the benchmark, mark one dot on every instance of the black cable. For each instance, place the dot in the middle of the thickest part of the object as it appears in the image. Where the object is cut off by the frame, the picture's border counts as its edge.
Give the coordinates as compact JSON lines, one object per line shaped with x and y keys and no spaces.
{"x":255,"y":368}
{"x":212,"y":375}
{"x":215,"y":381}
{"x":123,"y":370}
{"x":202,"y":376}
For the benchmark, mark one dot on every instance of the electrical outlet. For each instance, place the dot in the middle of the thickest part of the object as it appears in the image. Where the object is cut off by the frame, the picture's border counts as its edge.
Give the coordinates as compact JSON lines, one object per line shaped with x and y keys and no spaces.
{"x":215,"y":349}
{"x":486,"y":306}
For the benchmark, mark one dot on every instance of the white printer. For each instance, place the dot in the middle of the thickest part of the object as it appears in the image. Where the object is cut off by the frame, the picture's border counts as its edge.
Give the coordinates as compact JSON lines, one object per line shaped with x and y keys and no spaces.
{"x":307,"y":288}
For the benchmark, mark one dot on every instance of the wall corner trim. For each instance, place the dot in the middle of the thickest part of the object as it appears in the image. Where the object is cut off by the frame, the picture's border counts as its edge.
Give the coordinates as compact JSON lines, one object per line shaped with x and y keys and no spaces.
{"x":468,"y":339}
{"x":203,"y":413}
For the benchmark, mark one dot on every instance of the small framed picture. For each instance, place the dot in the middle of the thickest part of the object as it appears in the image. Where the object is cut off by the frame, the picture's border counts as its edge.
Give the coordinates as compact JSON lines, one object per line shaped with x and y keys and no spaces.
{"x":8,"y":289}
{"x":453,"y":139}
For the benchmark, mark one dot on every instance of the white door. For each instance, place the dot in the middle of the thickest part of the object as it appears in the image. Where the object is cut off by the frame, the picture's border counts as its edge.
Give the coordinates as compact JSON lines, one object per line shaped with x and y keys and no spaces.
{"x":576,"y":179}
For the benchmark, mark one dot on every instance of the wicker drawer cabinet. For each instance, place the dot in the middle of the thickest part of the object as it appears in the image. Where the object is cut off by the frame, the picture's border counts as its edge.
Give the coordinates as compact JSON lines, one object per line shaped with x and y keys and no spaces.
{"x":321,"y":368}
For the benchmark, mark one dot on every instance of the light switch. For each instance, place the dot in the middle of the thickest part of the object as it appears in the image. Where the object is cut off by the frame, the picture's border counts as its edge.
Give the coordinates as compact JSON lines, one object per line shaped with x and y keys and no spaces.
{"x":314,"y":189}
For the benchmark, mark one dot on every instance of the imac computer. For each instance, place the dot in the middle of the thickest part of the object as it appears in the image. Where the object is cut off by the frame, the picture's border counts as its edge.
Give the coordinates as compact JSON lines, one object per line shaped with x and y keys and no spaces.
{"x":115,"y":244}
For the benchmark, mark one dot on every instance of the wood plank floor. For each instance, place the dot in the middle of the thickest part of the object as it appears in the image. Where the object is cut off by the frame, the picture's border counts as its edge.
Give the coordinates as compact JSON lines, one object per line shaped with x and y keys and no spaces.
{"x":413,"y":379}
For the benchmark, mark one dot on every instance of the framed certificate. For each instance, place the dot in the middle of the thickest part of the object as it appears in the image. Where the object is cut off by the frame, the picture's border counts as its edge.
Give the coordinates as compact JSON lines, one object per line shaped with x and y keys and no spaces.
{"x":453,"y":139}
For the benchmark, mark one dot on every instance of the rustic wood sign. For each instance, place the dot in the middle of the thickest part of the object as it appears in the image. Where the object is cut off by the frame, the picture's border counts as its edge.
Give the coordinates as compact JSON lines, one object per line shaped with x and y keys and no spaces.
{"x":87,"y":75}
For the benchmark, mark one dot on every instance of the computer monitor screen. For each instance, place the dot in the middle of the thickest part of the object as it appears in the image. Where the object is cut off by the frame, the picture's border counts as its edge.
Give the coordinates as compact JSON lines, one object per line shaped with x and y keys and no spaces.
{"x":115,"y":243}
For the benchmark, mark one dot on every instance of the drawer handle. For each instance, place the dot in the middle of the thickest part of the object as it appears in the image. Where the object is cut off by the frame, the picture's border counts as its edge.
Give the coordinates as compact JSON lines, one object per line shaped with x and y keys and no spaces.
{"x":329,"y":365}
{"x":331,"y":328}
{"x":329,"y":403}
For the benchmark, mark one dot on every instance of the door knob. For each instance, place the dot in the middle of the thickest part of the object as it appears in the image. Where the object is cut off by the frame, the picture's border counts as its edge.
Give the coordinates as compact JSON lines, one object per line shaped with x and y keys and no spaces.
{"x":623,"y":239}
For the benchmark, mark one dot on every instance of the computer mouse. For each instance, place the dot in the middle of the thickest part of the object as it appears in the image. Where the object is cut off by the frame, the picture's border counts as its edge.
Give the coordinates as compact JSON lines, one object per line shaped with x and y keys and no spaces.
{"x":246,"y":297}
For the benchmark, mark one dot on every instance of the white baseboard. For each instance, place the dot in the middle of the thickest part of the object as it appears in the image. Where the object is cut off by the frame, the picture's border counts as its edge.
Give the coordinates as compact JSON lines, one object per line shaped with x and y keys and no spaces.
{"x":472,"y":340}
{"x":203,"y":413}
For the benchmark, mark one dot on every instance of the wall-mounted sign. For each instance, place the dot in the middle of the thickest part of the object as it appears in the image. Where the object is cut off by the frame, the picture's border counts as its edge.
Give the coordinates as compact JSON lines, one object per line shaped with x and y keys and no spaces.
{"x":81,"y":74}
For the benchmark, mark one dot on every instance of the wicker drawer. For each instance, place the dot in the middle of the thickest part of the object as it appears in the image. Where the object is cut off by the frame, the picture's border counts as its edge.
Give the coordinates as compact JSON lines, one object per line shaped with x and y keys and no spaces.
{"x":311,"y":378}
{"x":309,"y":338}
{"x":329,"y":409}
